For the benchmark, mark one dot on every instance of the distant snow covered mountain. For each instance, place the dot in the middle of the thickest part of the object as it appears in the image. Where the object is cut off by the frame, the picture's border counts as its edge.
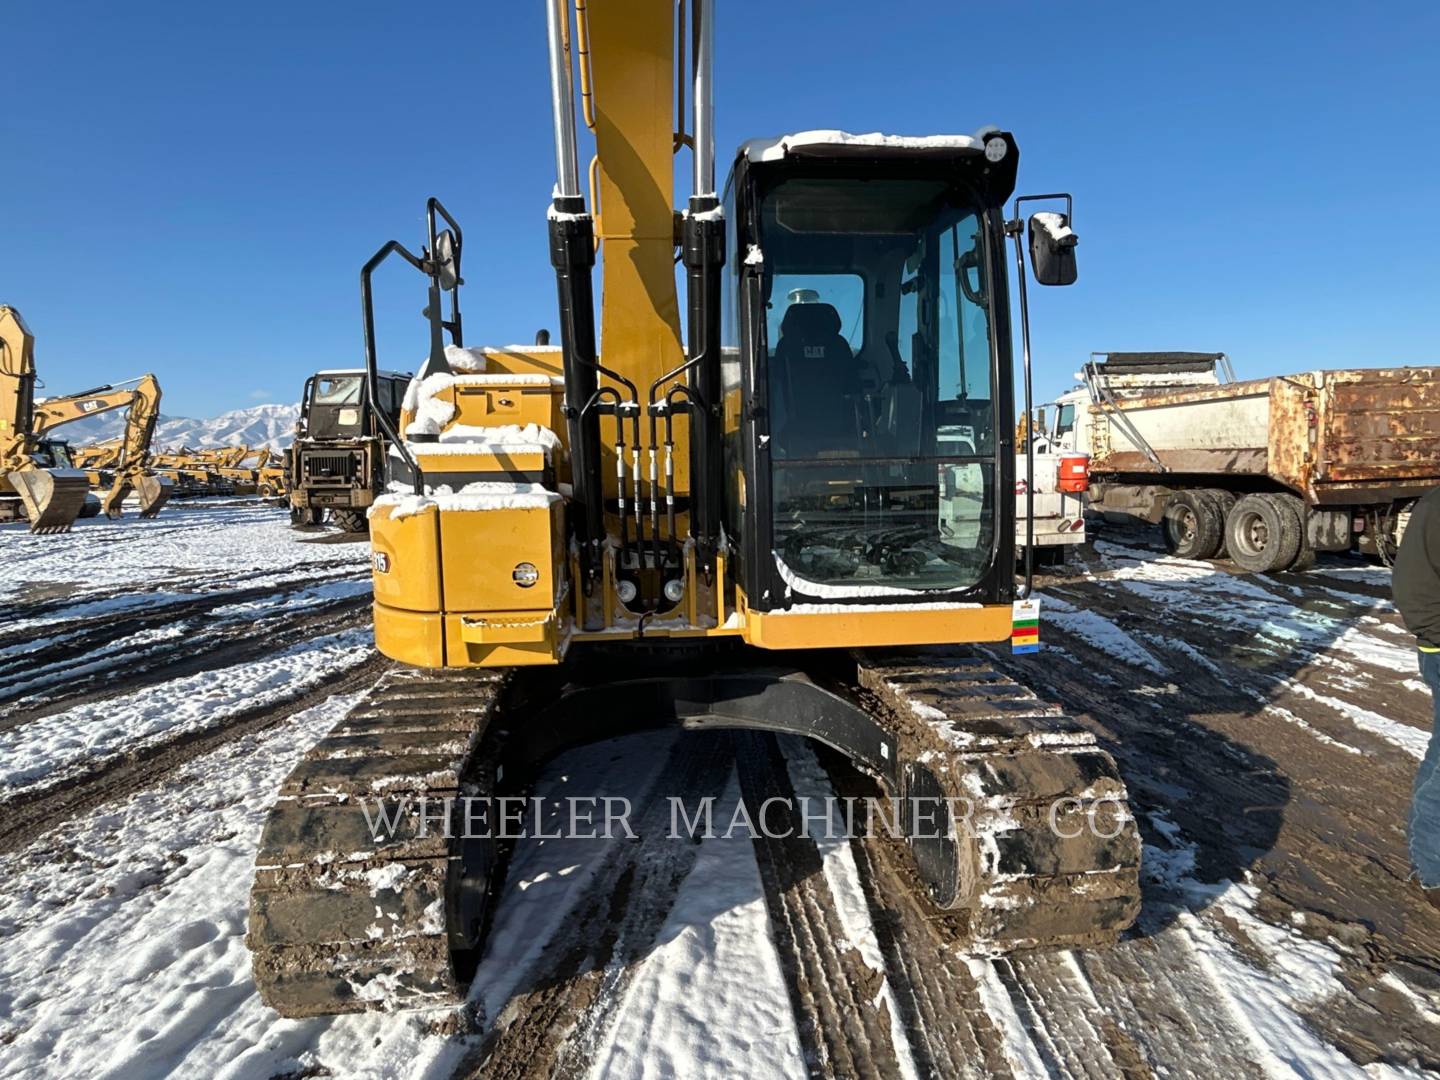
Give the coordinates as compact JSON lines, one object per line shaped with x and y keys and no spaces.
{"x":257,"y":426}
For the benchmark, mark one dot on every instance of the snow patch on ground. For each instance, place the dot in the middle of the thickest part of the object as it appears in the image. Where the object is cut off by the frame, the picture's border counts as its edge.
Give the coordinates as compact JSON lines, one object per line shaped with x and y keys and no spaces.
{"x":132,"y":940}
{"x":709,"y":1001}
{"x":47,"y":750}
{"x":1103,"y":634}
{"x":190,"y":547}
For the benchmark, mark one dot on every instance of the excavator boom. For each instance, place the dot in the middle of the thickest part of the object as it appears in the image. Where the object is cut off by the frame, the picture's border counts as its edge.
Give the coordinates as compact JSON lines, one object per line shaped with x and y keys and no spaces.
{"x":141,"y":398}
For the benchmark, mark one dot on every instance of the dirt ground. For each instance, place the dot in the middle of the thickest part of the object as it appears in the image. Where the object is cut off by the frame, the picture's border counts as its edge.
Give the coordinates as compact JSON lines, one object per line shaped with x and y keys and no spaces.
{"x":1268,"y":730}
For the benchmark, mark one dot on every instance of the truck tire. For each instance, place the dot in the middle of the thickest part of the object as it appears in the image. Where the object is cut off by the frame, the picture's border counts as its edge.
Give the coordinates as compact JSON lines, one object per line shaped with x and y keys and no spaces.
{"x":306,"y":517}
{"x":1305,"y":557}
{"x":1263,"y":533}
{"x":352,"y":521}
{"x":1226,"y":500}
{"x":1193,"y":526}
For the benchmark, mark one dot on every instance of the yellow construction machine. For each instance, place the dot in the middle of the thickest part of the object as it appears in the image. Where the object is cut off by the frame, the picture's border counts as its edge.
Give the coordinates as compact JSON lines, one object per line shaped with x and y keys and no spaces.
{"x":229,"y":464}
{"x":272,"y":481}
{"x":791,"y":510}
{"x":192,"y":472}
{"x":131,"y":465}
{"x":38,"y":482}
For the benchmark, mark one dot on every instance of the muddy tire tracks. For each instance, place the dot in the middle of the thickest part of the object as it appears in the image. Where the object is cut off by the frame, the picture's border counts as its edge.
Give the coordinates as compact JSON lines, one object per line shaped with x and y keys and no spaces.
{"x":1319,"y":828}
{"x":91,"y":660}
{"x":27,"y":817}
{"x":843,"y":1022}
{"x":556,"y":1022}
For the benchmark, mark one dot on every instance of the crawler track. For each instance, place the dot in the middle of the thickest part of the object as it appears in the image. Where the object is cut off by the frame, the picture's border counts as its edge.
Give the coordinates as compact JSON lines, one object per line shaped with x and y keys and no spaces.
{"x":1049,"y":855}
{"x":343,"y":919}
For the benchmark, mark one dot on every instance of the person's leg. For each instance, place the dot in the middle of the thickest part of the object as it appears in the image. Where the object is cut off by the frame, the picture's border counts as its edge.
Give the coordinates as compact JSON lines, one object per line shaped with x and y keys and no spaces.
{"x":1425,"y":810}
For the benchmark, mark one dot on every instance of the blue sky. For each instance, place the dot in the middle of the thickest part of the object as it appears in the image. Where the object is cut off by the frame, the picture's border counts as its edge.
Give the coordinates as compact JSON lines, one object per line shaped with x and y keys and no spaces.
{"x":192,"y":188}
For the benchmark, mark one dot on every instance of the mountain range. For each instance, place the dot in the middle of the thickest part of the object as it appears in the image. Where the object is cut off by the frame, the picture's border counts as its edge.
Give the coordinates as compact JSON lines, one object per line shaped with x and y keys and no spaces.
{"x":257,"y":426}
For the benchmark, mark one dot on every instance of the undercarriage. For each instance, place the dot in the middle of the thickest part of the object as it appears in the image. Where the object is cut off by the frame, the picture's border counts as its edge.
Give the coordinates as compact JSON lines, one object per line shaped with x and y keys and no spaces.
{"x":1015,"y":818}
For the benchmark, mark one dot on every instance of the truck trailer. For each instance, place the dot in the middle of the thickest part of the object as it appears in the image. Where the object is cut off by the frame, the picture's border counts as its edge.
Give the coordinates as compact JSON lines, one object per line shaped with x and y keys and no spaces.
{"x":1267,"y":471}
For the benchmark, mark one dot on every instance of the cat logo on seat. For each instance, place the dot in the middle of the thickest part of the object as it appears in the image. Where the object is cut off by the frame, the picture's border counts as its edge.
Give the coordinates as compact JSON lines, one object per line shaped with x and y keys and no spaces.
{"x":814,"y":352}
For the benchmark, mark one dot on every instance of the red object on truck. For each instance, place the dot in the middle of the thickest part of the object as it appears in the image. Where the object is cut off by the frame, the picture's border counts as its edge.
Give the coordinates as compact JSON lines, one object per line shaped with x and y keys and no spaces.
{"x":1074,"y":478}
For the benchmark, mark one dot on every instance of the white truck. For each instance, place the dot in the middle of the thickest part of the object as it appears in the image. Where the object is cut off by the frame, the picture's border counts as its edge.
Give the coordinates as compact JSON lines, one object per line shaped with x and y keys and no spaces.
{"x":1269,"y":471}
{"x":1061,"y":477}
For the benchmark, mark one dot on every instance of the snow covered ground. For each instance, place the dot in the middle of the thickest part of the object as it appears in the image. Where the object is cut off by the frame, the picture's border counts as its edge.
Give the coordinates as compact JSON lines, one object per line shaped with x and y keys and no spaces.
{"x":122,"y":922}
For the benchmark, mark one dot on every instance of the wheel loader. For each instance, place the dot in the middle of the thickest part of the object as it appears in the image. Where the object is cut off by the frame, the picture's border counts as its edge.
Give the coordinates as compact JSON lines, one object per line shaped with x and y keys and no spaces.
{"x":336,"y":463}
{"x":754,"y":523}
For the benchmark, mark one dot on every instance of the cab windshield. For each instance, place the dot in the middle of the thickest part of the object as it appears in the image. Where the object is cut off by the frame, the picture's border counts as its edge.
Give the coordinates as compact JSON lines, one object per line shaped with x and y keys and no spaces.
{"x":337,"y":390}
{"x":53,"y":455}
{"x":880,"y":382}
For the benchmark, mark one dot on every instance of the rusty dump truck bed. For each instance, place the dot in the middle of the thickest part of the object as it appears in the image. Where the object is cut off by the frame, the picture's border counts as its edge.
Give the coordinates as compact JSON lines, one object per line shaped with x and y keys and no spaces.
{"x":1355,"y":436}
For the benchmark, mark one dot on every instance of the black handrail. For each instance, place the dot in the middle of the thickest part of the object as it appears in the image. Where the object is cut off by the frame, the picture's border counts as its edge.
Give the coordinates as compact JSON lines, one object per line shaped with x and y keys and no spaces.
{"x":428,"y":264}
{"x":372,"y":370}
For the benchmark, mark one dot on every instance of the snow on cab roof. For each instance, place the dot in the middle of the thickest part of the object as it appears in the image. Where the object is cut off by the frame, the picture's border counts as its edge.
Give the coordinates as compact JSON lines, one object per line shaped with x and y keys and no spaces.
{"x":776,"y":148}
{"x":361,"y":371}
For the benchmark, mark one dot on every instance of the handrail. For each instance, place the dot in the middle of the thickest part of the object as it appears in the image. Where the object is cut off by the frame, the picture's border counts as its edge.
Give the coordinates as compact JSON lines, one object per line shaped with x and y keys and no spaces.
{"x":1100,"y":394}
{"x":372,"y":368}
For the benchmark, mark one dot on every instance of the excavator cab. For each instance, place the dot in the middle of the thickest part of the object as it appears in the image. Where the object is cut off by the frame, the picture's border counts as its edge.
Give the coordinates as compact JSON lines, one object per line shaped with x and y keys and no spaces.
{"x":867,"y":292}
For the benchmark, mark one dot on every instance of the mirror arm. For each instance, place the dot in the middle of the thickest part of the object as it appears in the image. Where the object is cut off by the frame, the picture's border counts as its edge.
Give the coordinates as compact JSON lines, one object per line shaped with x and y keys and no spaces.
{"x":1016,"y":229}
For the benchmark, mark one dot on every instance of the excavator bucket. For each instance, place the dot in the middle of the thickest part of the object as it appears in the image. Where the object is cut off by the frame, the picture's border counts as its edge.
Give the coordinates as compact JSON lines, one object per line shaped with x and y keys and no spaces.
{"x":154,"y":492}
{"x":53,"y":498}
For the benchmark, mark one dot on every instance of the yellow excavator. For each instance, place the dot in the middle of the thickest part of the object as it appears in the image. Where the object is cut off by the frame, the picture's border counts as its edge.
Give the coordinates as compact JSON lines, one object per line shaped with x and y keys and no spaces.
{"x":272,"y":481}
{"x":229,"y":463}
{"x":38,"y":482}
{"x":797,"y":515}
{"x":132,"y":466}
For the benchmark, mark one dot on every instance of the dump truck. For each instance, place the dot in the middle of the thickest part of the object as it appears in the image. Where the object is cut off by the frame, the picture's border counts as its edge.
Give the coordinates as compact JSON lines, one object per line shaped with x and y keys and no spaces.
{"x":1265,"y":471}
{"x":336,"y":464}
{"x":745,"y":521}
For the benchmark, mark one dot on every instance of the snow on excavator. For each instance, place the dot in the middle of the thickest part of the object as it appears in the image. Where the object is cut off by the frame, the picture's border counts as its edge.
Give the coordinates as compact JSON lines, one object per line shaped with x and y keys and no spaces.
{"x":797,"y":517}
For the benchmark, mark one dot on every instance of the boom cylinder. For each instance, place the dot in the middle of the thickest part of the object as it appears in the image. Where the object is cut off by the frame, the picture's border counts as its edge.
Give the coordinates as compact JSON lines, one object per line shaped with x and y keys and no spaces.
{"x":703,"y":125}
{"x":572,"y":254}
{"x":562,"y":99}
{"x":704,"y":256}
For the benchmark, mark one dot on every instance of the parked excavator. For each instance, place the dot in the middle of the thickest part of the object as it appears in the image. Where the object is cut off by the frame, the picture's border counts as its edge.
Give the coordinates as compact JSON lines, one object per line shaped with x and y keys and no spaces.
{"x":38,"y":482}
{"x":191,"y":472}
{"x":132,"y":467}
{"x":795,"y":517}
{"x":229,"y":463}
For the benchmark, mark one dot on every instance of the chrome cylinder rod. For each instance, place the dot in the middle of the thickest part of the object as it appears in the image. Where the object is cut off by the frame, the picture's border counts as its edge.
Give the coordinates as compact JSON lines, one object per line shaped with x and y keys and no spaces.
{"x":562,"y":99}
{"x":704,"y":98}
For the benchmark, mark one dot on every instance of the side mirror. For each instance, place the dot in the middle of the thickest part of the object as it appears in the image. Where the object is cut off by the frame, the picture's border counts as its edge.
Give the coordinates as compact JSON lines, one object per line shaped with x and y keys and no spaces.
{"x":1052,"y":248}
{"x":447,"y":260}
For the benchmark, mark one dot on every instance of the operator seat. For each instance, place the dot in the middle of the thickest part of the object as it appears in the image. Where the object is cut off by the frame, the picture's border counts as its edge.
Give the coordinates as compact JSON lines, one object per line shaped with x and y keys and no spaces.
{"x":817,"y":376}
